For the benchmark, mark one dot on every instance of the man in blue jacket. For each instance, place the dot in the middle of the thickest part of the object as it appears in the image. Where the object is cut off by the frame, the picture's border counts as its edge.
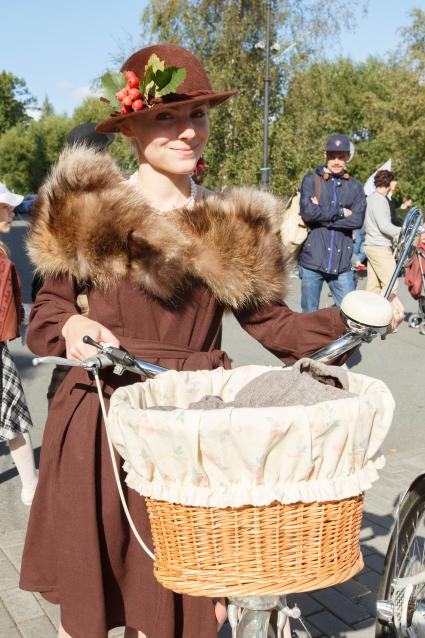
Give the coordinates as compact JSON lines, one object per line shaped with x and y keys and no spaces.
{"x":332,"y":205}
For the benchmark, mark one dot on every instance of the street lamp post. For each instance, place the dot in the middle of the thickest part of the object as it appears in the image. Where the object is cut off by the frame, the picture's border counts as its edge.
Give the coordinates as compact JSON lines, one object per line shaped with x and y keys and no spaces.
{"x":265,"y":171}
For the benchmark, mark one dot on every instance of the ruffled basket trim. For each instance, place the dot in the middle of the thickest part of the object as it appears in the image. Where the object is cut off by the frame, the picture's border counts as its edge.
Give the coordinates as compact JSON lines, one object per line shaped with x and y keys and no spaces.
{"x":227,"y":495}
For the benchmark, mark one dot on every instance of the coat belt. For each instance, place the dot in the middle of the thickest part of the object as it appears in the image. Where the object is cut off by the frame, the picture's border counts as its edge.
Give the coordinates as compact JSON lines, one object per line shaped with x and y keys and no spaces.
{"x":187,"y":358}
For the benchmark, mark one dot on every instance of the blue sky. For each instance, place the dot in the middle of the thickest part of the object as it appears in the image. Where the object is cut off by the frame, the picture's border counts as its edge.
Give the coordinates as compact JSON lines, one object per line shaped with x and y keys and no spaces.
{"x":60,"y":47}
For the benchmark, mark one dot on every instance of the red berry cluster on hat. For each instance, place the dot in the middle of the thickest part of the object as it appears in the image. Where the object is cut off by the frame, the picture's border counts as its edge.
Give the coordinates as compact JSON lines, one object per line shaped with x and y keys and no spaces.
{"x":169,"y":76}
{"x":127,"y":92}
{"x":130,"y":96}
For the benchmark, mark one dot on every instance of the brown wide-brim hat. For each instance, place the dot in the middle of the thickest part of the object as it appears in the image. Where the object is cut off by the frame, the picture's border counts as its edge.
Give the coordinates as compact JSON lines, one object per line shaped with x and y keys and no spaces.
{"x":195,"y":88}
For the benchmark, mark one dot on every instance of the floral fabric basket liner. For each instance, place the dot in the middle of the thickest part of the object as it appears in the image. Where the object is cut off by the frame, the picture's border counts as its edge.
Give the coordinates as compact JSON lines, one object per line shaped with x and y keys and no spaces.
{"x":238,"y":456}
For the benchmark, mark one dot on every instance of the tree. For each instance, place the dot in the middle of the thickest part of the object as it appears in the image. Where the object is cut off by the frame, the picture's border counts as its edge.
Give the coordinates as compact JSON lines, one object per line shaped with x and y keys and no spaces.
{"x":413,"y":41}
{"x":319,"y":101}
{"x":93,"y":110}
{"x":90,"y":110}
{"x":14,"y":100}
{"x":47,"y":108}
{"x":28,"y":152}
{"x":381,"y":106}
{"x":51,"y":132}
{"x":224,"y":34}
{"x":20,"y":167}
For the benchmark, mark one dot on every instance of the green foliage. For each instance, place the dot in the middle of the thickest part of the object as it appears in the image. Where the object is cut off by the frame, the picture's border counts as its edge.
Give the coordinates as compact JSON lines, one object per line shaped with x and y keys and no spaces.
{"x":413,"y":41}
{"x":112,"y":82}
{"x":90,"y":110}
{"x":158,"y":80}
{"x":168,"y":80}
{"x":19,"y":166}
{"x":14,"y":100}
{"x":125,"y":154}
{"x":47,"y":108}
{"x":28,"y":152}
{"x":51,"y":131}
{"x":380,"y":106}
{"x":93,"y":110}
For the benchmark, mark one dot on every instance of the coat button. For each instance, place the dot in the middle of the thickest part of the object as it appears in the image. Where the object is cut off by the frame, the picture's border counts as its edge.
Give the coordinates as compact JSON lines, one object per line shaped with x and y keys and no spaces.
{"x":328,"y":248}
{"x":339,"y":250}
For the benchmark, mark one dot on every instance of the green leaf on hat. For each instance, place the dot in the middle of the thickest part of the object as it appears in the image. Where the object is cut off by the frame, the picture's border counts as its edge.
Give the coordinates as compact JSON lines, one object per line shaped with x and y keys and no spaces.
{"x":155,"y":63}
{"x":146,"y":83}
{"x":163,"y":77}
{"x":113,"y":82}
{"x":159,"y":80}
{"x":168,"y":80}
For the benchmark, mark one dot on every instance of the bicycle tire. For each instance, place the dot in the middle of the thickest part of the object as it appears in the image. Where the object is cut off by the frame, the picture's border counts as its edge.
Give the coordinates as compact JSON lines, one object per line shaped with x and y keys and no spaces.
{"x":415,"y":321}
{"x":412,"y":513}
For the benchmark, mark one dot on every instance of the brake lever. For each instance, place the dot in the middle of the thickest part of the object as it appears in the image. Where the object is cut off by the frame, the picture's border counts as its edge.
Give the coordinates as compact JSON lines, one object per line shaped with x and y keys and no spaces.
{"x":124,"y":360}
{"x":120,"y":357}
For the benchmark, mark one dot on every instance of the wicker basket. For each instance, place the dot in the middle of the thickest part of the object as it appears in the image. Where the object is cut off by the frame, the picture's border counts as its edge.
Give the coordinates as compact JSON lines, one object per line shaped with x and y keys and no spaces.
{"x":274,"y":549}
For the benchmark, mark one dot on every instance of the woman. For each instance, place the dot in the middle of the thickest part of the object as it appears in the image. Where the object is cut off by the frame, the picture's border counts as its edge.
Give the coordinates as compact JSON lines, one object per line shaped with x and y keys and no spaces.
{"x":15,"y":420}
{"x":160,"y":260}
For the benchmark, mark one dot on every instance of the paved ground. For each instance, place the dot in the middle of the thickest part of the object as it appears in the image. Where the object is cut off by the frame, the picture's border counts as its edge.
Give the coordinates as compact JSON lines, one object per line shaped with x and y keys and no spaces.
{"x":345,"y":610}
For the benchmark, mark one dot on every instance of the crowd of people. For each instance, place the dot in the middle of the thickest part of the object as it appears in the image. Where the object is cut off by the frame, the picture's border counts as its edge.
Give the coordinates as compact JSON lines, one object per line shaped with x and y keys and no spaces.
{"x":151,"y":264}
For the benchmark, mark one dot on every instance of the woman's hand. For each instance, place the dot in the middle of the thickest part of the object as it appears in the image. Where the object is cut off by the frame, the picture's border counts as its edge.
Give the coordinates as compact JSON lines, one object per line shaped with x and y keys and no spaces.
{"x":398,"y":313}
{"x":78,"y":327}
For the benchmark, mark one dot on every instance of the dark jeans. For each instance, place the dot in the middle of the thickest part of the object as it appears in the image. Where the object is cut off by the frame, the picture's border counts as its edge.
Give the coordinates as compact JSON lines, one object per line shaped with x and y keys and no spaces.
{"x":358,"y":251}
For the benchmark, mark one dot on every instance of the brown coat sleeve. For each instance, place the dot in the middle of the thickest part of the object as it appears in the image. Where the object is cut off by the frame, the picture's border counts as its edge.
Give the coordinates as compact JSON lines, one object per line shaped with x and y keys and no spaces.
{"x":291,"y":335}
{"x":54,"y":304}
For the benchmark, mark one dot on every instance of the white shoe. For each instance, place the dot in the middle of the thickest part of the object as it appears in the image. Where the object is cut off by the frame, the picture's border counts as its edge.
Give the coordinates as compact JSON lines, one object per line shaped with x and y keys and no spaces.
{"x":27,"y":493}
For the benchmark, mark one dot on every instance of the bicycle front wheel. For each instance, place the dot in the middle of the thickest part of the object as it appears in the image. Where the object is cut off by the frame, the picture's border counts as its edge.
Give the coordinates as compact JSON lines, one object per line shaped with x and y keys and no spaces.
{"x":257,"y":624}
{"x":406,"y":558}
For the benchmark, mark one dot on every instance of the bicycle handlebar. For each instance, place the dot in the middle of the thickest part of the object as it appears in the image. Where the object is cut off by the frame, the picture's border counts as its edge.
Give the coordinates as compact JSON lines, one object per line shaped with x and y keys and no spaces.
{"x":96,"y":362}
{"x":123,"y":360}
{"x":109,"y":355}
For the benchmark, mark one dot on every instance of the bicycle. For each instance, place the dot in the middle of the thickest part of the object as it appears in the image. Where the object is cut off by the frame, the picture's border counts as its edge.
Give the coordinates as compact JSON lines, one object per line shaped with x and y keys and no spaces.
{"x":254,"y":616}
{"x":401,"y":597}
{"x":250,"y":616}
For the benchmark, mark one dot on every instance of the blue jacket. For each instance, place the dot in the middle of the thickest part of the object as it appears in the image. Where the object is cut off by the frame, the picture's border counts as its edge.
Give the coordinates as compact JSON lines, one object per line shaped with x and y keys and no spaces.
{"x":329,"y":245}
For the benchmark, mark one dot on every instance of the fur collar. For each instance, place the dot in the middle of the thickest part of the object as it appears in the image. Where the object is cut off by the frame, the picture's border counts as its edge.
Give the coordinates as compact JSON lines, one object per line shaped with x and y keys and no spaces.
{"x":91,"y":225}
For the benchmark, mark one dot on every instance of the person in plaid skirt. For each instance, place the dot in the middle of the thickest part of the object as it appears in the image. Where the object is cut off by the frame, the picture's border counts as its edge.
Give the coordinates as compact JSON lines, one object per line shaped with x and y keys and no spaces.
{"x":15,"y":419}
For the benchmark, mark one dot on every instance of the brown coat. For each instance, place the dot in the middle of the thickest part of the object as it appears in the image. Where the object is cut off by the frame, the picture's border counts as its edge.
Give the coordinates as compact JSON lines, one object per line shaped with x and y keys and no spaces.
{"x":79,"y":550}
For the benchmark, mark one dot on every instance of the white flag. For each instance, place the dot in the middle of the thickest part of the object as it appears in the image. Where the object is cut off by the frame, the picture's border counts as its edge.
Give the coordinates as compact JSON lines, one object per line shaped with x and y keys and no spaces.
{"x":369,"y":187}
